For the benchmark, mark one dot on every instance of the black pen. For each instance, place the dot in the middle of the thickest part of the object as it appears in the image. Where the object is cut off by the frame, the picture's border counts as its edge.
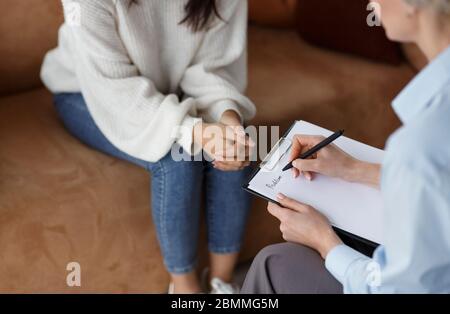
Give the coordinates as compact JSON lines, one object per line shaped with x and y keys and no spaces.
{"x":316,"y":148}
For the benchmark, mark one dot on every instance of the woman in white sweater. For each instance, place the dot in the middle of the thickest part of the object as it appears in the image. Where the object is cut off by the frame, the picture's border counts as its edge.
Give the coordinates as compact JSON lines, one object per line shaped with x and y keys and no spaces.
{"x":142,"y":80}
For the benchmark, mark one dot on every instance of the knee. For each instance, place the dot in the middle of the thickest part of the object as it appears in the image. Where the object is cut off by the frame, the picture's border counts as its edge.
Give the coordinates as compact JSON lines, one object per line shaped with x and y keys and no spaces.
{"x":291,"y":268}
{"x":182,"y":169}
{"x":269,"y":261}
{"x":287,"y":252}
{"x":271,"y":251}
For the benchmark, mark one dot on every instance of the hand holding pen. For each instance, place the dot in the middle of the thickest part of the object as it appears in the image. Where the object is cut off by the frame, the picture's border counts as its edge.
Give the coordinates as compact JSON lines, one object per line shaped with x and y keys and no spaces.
{"x":317,"y":154}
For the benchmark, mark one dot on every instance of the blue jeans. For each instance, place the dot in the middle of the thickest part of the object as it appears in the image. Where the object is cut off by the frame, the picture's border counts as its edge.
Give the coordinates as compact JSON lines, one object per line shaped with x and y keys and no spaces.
{"x":177,"y":188}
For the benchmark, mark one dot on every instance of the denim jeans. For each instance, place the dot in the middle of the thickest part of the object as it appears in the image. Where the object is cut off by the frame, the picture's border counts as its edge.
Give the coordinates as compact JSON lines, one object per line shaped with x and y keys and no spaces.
{"x":177,"y":188}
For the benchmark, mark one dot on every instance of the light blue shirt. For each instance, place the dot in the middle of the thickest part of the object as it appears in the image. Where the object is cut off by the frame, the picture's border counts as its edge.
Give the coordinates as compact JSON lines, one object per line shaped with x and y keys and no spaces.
{"x":415,"y":184}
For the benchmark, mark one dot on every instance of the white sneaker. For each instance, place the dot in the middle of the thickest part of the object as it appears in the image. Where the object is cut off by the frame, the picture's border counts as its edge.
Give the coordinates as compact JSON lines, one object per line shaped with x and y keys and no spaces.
{"x":171,"y":289}
{"x":217,"y":285}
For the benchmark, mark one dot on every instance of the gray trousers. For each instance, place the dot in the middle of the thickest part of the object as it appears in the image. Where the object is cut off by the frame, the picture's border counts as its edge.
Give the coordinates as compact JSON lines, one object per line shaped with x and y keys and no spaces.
{"x":289,"y":268}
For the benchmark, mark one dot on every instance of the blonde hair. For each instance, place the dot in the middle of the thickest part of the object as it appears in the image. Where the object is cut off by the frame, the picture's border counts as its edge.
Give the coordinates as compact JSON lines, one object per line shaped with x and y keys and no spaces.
{"x":441,"y":6}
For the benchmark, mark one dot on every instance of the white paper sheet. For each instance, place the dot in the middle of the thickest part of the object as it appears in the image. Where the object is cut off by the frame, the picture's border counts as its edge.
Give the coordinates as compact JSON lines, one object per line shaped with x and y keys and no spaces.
{"x":352,"y":207}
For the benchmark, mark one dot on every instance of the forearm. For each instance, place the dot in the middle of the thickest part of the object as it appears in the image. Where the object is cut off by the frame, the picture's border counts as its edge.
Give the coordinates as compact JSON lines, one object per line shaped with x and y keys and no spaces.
{"x":365,"y":173}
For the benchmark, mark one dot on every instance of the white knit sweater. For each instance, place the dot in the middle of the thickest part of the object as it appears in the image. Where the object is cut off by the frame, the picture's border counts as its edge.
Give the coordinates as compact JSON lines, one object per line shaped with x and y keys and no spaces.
{"x":146,"y":79}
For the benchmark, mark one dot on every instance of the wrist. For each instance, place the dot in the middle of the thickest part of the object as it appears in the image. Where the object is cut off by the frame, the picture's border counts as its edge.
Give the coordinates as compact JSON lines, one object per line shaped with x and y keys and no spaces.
{"x":356,"y":170}
{"x":197,"y":133}
{"x":364,"y":172}
{"x":328,"y":242}
{"x":230,"y":117}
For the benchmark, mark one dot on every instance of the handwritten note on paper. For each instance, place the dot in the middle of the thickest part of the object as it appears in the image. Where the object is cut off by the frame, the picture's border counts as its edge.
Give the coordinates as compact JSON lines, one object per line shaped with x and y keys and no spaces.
{"x":353,"y":207}
{"x":272,"y":185}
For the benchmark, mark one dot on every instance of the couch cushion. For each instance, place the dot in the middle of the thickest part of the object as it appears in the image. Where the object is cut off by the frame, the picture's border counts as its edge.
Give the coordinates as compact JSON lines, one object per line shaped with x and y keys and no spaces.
{"x":342,"y":25}
{"x":276,"y":13}
{"x":27,"y":31}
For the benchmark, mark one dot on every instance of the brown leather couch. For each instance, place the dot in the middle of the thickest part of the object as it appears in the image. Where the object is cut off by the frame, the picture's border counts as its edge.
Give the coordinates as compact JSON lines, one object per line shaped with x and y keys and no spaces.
{"x":61,"y":201}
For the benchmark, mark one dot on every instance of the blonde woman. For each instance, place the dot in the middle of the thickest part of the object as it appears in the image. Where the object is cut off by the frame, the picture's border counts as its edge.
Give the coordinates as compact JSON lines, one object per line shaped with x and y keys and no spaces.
{"x":141,"y":80}
{"x":414,"y":181}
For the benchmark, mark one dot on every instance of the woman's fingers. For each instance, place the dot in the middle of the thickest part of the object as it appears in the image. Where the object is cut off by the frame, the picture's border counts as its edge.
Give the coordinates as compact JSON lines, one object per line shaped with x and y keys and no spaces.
{"x":227,"y":142}
{"x":300,"y":143}
{"x":234,"y":152}
{"x":292,"y":204}
{"x":230,"y":166}
{"x":307,"y":166}
{"x":308,"y":175}
{"x":237,"y":135}
{"x":227,"y":169}
{"x":241,"y":136}
{"x":228,"y":152}
{"x":296,"y":173}
{"x":278,"y":212}
{"x":234,"y":134}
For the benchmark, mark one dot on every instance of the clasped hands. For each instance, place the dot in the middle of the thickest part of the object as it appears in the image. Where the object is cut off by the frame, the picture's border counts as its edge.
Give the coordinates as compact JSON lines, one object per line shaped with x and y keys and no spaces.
{"x":225,"y":142}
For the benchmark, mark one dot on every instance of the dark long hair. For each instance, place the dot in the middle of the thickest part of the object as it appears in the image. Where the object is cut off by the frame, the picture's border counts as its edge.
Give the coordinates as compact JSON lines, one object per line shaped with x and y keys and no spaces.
{"x":199,"y":13}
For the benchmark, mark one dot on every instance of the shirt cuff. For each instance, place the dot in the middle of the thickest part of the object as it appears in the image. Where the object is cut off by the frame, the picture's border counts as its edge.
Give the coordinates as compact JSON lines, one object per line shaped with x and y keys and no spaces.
{"x":216,"y":110}
{"x":339,"y":260}
{"x":185,"y":135}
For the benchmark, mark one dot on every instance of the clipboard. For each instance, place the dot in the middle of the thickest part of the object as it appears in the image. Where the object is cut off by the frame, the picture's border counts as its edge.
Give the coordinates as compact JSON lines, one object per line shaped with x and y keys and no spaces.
{"x":276,"y":156}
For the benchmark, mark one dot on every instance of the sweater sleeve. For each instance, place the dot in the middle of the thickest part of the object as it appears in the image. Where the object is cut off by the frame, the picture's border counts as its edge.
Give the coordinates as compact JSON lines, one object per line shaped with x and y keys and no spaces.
{"x":126,"y":106}
{"x":217,"y":78}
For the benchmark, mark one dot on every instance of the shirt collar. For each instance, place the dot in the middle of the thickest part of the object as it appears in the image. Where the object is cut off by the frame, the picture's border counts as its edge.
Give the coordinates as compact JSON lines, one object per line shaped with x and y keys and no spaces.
{"x":423,"y":88}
